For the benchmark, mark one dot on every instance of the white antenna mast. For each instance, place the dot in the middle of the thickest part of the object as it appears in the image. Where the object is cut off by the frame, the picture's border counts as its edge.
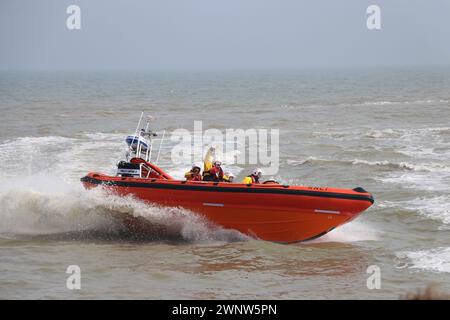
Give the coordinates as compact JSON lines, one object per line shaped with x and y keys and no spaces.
{"x":160,"y":145}
{"x":148,"y":154}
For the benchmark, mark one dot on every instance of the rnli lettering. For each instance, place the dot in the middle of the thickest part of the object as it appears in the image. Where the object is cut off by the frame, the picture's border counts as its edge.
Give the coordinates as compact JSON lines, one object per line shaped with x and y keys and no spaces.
{"x":318,"y":188}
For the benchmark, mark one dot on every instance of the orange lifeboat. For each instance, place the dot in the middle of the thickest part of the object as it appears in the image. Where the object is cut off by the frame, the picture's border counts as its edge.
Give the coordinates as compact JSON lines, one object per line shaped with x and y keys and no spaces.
{"x":271,"y":212}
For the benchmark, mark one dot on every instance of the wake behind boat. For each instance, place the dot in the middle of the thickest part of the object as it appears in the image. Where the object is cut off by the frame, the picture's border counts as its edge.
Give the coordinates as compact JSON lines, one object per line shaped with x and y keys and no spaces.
{"x":267,"y":211}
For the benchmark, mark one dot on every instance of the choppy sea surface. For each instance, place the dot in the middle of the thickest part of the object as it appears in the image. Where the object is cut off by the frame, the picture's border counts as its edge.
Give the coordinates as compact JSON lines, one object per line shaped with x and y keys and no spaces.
{"x":387,"y":130}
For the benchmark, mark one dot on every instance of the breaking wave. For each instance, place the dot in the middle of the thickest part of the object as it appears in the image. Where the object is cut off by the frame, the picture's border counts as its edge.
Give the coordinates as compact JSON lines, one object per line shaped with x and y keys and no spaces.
{"x":419,"y":102}
{"x":430,"y":102}
{"x":383,"y":164}
{"x":399,"y":135}
{"x":437,"y":259}
{"x":434,"y":208}
{"x":404,"y":133}
{"x":424,"y":181}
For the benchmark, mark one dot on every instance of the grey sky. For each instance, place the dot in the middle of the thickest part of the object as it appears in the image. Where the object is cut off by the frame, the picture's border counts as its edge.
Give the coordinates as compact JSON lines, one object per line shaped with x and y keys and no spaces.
{"x":218,"y":34}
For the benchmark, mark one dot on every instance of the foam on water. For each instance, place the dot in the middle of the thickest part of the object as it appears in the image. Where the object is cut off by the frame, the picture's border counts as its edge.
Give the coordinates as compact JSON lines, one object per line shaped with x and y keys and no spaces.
{"x":60,"y":156}
{"x":428,"y":167}
{"x":415,"y":102}
{"x":44,"y":205}
{"x":437,"y":259}
{"x":351,"y":232}
{"x":397,"y":136}
{"x":425,"y":181}
{"x":370,"y":104}
{"x":40,"y":193}
{"x":436,"y":208}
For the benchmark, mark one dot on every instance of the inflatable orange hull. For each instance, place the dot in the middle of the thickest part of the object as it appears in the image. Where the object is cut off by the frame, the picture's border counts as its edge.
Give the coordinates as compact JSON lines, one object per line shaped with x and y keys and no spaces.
{"x":269,"y":212}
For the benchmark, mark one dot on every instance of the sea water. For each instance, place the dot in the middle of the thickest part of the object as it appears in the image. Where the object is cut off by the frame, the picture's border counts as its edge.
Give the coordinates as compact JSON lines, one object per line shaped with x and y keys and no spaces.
{"x":387,"y":130}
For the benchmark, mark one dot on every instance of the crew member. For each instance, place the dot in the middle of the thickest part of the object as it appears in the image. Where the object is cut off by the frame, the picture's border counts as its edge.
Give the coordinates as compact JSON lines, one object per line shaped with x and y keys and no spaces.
{"x":194,"y":173}
{"x":228,"y":177}
{"x":213,"y":171}
{"x":253,"y":177}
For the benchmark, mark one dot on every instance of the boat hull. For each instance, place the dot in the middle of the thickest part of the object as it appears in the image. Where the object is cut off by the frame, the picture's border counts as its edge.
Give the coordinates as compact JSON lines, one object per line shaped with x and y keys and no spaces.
{"x":269,"y":212}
